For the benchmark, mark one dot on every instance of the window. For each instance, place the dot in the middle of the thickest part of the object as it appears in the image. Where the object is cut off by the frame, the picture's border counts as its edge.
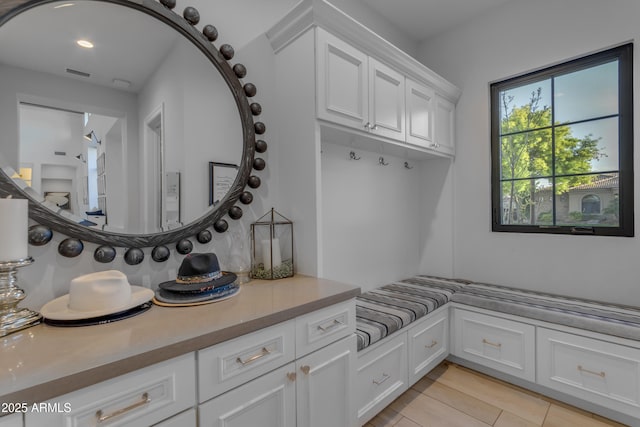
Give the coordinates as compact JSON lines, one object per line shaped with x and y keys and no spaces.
{"x":591,"y":204}
{"x":562,"y":148}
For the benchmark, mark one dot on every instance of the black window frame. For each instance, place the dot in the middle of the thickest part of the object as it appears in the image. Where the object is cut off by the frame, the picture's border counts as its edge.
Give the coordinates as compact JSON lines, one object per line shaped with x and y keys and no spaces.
{"x":624,"y":55}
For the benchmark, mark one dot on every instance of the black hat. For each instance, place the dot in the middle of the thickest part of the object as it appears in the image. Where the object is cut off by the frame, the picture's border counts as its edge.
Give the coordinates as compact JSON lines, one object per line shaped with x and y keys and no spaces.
{"x":199,"y":273}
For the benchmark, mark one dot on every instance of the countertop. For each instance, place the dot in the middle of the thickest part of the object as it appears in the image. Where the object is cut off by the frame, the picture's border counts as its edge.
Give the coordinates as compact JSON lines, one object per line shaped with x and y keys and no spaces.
{"x":44,"y":361}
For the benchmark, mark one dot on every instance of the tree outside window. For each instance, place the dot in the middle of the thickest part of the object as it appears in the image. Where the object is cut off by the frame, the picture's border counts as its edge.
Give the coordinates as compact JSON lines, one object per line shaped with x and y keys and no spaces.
{"x":562,"y":148}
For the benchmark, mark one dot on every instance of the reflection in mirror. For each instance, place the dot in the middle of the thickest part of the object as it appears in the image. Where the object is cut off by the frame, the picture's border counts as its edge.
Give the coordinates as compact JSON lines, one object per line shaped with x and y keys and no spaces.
{"x":119,"y":134}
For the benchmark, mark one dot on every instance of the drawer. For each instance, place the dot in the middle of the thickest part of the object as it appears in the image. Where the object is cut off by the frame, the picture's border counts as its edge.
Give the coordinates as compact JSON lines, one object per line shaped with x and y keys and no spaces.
{"x":141,"y":398}
{"x":229,"y":364}
{"x":322,"y":327}
{"x":381,"y":376}
{"x":601,"y":372}
{"x":428,"y":343}
{"x":501,"y":344}
{"x":185,"y":419}
{"x":268,"y":401}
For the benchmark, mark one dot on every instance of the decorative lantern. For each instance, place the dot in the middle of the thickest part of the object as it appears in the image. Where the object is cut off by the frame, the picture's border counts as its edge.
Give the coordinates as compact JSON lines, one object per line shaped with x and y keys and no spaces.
{"x":272,"y":247}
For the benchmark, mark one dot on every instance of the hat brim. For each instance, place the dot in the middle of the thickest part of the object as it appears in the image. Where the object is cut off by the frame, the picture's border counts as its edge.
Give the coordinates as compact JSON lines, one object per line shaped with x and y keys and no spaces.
{"x":168,"y":298}
{"x":58,"y":309}
{"x":173,"y":286}
{"x":101,"y":320}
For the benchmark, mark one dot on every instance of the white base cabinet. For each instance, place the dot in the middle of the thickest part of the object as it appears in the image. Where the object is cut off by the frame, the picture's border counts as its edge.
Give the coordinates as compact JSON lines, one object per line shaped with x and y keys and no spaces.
{"x":141,"y":398}
{"x":314,"y":391}
{"x":501,"y":344}
{"x":391,"y":366}
{"x":382,"y":376}
{"x":268,"y":401}
{"x":297,"y":373}
{"x":601,"y":372}
{"x":599,"y":375}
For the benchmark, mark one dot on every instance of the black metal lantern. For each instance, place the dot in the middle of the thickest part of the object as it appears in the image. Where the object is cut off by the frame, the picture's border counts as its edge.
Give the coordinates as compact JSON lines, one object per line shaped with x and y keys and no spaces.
{"x":272,"y":247}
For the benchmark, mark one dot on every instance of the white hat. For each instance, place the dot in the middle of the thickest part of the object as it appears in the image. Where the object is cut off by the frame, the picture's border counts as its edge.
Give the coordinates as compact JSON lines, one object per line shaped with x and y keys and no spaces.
{"x":96,"y":294}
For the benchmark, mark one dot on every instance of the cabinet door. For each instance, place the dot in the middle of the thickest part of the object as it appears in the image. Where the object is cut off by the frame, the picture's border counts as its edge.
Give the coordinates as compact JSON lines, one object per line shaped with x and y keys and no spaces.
{"x":325,"y":385}
{"x":420,"y":114}
{"x":386,"y":101}
{"x":341,"y":82}
{"x":501,"y":344}
{"x":268,"y":401}
{"x":137,"y":399}
{"x":444,"y":125}
{"x":428,"y":341}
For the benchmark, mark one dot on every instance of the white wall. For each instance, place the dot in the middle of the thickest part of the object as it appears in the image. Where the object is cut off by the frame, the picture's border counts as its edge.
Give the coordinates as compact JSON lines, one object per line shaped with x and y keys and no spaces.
{"x":371,"y":217}
{"x":518,"y":37}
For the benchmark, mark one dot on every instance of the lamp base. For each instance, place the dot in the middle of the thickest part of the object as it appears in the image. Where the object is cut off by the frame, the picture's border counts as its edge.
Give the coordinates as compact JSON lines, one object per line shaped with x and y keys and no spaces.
{"x":18,"y":320}
{"x":12,"y":318}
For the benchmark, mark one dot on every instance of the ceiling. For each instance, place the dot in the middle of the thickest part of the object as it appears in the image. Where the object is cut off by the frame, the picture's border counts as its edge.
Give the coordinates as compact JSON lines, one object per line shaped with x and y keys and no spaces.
{"x":422,"y":19}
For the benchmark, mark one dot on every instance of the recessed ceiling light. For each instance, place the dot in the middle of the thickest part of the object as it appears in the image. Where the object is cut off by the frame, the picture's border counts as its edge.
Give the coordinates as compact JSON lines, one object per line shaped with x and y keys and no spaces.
{"x":60,"y":6}
{"x":85,"y":43}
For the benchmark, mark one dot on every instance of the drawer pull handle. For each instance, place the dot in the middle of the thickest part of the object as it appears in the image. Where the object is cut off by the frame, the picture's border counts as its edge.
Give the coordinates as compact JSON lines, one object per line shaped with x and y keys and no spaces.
{"x":493,"y":344}
{"x":332,"y":325}
{"x":264,"y":352}
{"x":143,"y":401}
{"x":291,"y":376}
{"x":382,"y":379}
{"x":600,"y":374}
{"x":305,"y":369}
{"x":433,"y":344}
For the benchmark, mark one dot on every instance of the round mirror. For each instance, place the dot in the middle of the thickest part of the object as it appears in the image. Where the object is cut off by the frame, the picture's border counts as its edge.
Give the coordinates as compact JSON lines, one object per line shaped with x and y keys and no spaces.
{"x":121,"y":123}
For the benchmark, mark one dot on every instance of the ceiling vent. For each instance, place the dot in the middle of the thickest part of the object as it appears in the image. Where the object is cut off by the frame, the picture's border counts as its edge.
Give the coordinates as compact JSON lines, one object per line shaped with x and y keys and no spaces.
{"x":78,"y":73}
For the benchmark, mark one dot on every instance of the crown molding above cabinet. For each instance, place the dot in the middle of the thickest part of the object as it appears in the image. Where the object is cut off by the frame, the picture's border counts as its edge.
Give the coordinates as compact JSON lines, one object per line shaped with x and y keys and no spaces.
{"x":309,"y":13}
{"x":368,"y":93}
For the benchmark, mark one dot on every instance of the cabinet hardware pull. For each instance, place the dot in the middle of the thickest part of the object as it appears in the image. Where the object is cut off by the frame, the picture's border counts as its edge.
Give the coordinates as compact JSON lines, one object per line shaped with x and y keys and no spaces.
{"x":305,"y":369}
{"x":433,"y":344}
{"x":600,"y":374}
{"x":291,"y":376}
{"x":382,"y":379}
{"x":497,"y":345}
{"x":143,"y":401}
{"x":333,"y":324}
{"x":374,"y":127}
{"x":368,"y":125}
{"x":264,"y":352}
{"x":434,"y":145}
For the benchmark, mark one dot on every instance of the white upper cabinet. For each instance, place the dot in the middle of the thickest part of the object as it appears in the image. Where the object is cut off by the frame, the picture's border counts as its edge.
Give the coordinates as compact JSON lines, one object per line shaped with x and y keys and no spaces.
{"x":386,"y":101}
{"x":342,"y":82}
{"x":420,"y":114}
{"x":444,"y":125}
{"x":357,"y":91}
{"x":361,"y":93}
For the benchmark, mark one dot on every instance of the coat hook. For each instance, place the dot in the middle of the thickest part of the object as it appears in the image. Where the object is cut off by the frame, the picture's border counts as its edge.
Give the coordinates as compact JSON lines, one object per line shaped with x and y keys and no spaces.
{"x":406,"y":165}
{"x":381,"y":161}
{"x":352,"y":156}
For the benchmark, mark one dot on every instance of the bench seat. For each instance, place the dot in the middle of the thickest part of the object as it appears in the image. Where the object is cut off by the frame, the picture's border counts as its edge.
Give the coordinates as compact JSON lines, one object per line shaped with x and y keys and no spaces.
{"x":611,"y":319}
{"x":384,"y":310}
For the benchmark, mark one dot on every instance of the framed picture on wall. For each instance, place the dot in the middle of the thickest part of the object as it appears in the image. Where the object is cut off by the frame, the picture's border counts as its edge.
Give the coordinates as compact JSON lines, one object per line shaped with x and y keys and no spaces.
{"x":221,"y":177}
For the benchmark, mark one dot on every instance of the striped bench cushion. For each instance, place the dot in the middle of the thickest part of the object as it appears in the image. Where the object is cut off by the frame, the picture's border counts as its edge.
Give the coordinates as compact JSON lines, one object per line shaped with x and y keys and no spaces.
{"x":384,"y":310}
{"x":611,"y":319}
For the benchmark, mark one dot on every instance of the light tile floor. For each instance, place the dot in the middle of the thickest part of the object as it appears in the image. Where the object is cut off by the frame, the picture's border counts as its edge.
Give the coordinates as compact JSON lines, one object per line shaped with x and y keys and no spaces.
{"x":454,"y":396}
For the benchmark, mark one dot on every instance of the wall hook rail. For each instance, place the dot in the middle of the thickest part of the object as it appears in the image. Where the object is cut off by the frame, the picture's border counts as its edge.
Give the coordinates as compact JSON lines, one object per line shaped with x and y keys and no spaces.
{"x":352,"y":156}
{"x":381,"y":161}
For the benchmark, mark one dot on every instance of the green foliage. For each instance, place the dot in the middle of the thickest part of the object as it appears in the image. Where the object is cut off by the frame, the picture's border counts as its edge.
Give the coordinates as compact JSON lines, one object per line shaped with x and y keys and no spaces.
{"x":527,"y":155}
